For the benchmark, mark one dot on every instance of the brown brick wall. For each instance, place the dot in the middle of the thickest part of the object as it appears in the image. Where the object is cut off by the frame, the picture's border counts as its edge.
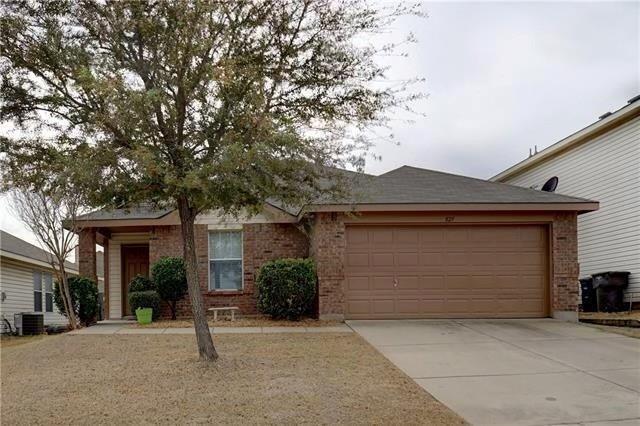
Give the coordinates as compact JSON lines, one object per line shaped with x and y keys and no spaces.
{"x":261,"y":243}
{"x":327,"y":248}
{"x":564,"y":291}
{"x":328,"y":245}
{"x":87,"y":253}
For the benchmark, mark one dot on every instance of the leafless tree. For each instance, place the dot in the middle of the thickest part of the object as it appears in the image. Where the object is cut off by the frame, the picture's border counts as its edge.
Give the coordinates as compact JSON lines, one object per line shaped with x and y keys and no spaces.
{"x":46,"y":214}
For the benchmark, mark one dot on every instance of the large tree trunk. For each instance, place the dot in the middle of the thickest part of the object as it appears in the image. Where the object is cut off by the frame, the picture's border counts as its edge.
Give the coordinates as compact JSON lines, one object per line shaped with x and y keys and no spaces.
{"x":203,"y":336}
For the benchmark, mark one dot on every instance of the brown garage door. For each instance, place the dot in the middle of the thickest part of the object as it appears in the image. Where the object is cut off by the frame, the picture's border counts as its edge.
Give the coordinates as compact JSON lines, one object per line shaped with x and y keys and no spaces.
{"x":471,"y":271}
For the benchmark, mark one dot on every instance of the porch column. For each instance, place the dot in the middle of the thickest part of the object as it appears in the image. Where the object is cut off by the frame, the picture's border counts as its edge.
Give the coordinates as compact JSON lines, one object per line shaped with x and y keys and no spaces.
{"x":87,"y":254}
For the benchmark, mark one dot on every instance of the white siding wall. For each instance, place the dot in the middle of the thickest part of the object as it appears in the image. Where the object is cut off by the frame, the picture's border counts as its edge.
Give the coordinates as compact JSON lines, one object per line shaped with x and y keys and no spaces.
{"x":115,"y":293}
{"x":16,"y":281}
{"x":605,"y":169}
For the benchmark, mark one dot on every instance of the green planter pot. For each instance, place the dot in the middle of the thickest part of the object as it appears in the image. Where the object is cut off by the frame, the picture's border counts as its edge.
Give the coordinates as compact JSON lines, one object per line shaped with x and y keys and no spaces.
{"x":144,"y":315}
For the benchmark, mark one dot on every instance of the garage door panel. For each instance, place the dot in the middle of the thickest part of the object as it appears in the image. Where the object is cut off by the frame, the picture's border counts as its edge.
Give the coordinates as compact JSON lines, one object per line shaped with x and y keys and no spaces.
{"x":381,"y":236}
{"x":446,"y":271}
{"x":356,"y":283}
{"x":483,"y":258}
{"x":430,"y":236}
{"x":357,"y":259}
{"x":532,"y":234}
{"x":456,"y":259}
{"x":436,"y":306}
{"x":357,"y":236}
{"x":382,"y":259}
{"x":407,"y":258}
{"x":456,"y":235}
{"x":408,"y":283}
{"x":457,"y":282}
{"x":383,"y":306}
{"x":408,"y":306}
{"x":358,"y":307}
{"x":407,"y":238}
{"x":430,"y":258}
{"x":433,"y":282}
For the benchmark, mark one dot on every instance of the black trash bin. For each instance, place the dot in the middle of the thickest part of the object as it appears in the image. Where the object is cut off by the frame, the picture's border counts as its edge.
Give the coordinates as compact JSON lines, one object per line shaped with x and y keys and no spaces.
{"x":589,"y":303}
{"x":610,"y":287}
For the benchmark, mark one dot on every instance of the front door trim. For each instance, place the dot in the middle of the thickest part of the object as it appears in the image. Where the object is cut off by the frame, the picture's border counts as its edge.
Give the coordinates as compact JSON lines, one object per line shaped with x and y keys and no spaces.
{"x":123,"y":273}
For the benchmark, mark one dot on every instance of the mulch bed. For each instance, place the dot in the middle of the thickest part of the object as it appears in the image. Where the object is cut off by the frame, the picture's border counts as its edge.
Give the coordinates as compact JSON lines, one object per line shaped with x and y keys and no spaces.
{"x":239,"y":322}
{"x":617,"y":319}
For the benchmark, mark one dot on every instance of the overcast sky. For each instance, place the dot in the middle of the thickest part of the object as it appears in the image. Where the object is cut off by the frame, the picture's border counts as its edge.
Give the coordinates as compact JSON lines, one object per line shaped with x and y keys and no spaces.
{"x":501,"y":78}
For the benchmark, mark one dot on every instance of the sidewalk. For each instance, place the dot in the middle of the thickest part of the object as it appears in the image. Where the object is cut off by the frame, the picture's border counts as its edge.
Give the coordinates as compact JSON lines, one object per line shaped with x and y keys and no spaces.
{"x":111,"y":328}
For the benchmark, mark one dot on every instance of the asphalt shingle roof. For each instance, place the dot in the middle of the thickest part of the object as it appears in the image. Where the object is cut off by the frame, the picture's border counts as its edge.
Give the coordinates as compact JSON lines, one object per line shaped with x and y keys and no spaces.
{"x":12,"y":244}
{"x":412,"y":185}
{"x":139,"y":212}
{"x":404,"y":185}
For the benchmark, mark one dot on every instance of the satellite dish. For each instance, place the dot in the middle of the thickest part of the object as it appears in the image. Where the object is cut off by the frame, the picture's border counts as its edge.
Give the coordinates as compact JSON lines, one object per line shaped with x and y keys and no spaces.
{"x":550,"y":185}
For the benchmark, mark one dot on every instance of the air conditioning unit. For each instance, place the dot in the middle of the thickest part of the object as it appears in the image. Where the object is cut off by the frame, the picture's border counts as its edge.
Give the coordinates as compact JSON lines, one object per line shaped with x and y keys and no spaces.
{"x":28,"y":323}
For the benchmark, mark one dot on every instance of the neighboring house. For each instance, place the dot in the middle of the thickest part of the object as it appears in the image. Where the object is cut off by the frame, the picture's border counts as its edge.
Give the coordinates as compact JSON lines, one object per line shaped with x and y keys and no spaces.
{"x":601,"y":162}
{"x":411,"y":243}
{"x":26,"y":280}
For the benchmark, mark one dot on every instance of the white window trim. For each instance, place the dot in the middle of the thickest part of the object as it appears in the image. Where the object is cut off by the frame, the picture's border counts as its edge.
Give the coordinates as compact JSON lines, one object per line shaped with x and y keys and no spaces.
{"x":41,"y":291}
{"x":209,"y":259}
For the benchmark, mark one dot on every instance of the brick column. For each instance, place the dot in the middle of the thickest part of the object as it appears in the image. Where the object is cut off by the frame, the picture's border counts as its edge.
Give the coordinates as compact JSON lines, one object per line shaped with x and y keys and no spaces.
{"x":564,"y":303}
{"x":87,"y":254}
{"x":327,"y":247}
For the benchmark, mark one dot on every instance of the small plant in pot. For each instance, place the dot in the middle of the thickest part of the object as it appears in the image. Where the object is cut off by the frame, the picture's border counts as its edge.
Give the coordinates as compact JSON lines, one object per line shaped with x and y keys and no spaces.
{"x":144,"y":299}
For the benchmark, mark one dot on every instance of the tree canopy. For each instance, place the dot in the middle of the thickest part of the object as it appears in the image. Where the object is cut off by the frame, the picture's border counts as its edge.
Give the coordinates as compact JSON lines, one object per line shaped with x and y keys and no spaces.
{"x":197,"y":104}
{"x":228,"y":102}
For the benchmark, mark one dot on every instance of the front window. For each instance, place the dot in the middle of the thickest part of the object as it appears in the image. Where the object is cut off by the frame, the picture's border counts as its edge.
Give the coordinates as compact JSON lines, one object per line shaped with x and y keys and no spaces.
{"x":37,"y":291}
{"x":225,"y":260}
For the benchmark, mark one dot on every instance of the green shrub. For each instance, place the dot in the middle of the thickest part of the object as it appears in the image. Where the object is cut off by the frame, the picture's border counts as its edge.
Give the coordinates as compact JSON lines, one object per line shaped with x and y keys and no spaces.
{"x":286,"y":288}
{"x":170,"y":279}
{"x":141,"y":283}
{"x":84,"y":296}
{"x":145,"y":299}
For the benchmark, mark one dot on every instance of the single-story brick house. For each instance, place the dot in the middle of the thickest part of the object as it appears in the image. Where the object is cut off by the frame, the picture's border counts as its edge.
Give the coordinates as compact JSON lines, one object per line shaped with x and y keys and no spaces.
{"x":412,"y":243}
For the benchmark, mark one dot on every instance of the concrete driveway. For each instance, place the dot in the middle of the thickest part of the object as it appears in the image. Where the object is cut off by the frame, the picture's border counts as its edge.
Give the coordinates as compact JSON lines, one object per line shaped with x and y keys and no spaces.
{"x":533,"y":372}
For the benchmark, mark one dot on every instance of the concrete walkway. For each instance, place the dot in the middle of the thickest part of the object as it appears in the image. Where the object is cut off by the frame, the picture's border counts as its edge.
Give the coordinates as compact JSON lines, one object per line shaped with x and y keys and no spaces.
{"x":517,"y":372}
{"x":124,"y":327}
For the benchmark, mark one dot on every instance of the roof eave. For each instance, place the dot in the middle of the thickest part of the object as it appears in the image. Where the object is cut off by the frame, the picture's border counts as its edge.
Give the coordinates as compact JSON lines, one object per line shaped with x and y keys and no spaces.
{"x":624,"y":114}
{"x":32,"y":261}
{"x":579,"y":207}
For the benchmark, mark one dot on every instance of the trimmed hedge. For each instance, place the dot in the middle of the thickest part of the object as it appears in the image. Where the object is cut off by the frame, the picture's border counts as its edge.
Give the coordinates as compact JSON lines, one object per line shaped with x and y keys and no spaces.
{"x":84,"y":296}
{"x":286,"y":288}
{"x":145,"y":299}
{"x":141,"y":283}
{"x":170,"y":279}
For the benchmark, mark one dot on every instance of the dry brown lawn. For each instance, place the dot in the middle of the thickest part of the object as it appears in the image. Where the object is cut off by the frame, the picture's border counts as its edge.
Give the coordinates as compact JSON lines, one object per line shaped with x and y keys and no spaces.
{"x":9,"y":341}
{"x":239,"y":322}
{"x":259,"y":379}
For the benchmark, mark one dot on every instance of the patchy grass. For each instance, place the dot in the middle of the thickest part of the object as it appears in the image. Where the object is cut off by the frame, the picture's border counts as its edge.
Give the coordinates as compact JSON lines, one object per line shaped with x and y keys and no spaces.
{"x":259,"y":379}
{"x":7,"y":341}
{"x":240,"y":322}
